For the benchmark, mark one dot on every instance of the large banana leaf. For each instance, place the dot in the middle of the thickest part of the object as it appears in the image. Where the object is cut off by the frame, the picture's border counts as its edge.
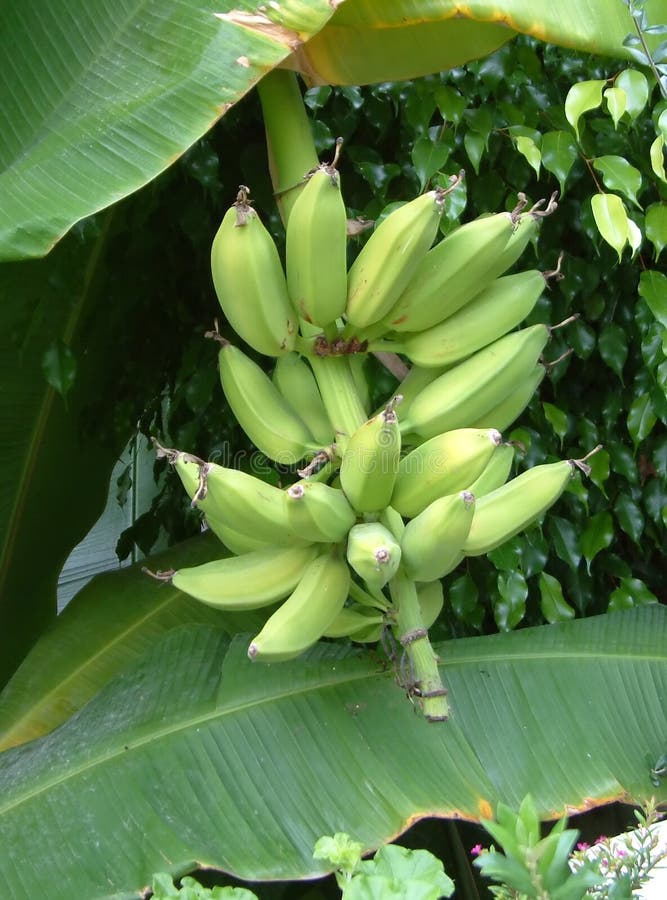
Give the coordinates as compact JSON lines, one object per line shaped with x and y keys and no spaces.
{"x":56,"y":456}
{"x":98,"y":100}
{"x":198,"y":756}
{"x":106,"y":627}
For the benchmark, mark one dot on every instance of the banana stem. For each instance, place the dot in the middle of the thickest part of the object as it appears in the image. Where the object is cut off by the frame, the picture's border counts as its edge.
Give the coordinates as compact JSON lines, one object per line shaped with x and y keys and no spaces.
{"x":289,"y":137}
{"x":339,"y":393}
{"x":424,"y":682}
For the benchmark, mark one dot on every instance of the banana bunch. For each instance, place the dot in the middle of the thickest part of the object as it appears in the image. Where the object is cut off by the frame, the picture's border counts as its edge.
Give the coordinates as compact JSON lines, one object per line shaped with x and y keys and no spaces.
{"x":386,"y":502}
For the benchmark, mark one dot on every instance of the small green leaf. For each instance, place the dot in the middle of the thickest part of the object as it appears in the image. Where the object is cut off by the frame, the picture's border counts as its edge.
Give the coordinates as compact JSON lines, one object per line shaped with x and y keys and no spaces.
{"x":630,"y":592}
{"x":619,"y":175}
{"x":581,"y":98}
{"x":554,"y":606}
{"x":657,"y":158}
{"x":641,"y":418}
{"x":653,"y":289}
{"x":427,"y":157}
{"x":510,"y":607}
{"x":629,"y":516}
{"x":655,"y":224}
{"x":409,"y":874}
{"x":565,"y":539}
{"x":529,"y":149}
{"x":635,"y":87}
{"x":340,"y":850}
{"x":507,"y":557}
{"x":613,"y":347}
{"x":611,"y":219}
{"x":598,"y":535}
{"x":450,"y":103}
{"x":616,"y":103}
{"x":59,"y":367}
{"x":662,"y":124}
{"x":557,"y":419}
{"x":464,"y":599}
{"x":474,"y":144}
{"x":559,"y":152}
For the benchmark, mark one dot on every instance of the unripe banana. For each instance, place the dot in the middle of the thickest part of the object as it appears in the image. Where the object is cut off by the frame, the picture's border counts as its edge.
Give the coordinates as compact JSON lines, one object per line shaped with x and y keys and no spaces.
{"x":446,"y":463}
{"x":357,"y":362}
{"x":374,"y":553}
{"x":246,"y":504}
{"x":370,"y":462}
{"x":392,"y":521}
{"x":295,"y":380}
{"x":307,"y":613}
{"x":261,"y":410}
{"x":496,"y":310}
{"x":316,"y":249}
{"x":388,"y":260}
{"x":354,"y":619}
{"x":433,"y":540}
{"x":509,"y":509}
{"x":337,"y":383}
{"x":525,"y":230}
{"x":233,"y":539}
{"x":318,"y":512}
{"x":495,"y":473}
{"x":451,"y":274}
{"x":250,"y":283}
{"x":249,"y":581}
{"x":463,"y":395}
{"x":431,"y":599}
{"x":504,"y":413}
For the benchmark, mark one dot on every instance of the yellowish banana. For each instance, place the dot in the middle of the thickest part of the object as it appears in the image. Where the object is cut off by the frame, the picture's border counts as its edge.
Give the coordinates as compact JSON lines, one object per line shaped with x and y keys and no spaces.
{"x":495,"y":472}
{"x":370,"y":462}
{"x":318,"y":512}
{"x":308,"y":612}
{"x":510,"y":407}
{"x":433,"y":540}
{"x":249,"y":281}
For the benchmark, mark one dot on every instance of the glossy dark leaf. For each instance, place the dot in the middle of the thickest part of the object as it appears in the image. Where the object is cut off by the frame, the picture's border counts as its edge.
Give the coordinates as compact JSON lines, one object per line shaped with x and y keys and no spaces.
{"x":641,"y":418}
{"x":509,"y":607}
{"x":563,"y":534}
{"x":596,"y":536}
{"x":613,"y":347}
{"x":653,"y":288}
{"x":552,"y":603}
{"x":559,"y":152}
{"x":629,"y":517}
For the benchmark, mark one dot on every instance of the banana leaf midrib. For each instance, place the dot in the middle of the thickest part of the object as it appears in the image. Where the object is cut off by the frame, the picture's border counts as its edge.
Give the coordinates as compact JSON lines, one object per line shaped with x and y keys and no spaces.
{"x":290,"y":690}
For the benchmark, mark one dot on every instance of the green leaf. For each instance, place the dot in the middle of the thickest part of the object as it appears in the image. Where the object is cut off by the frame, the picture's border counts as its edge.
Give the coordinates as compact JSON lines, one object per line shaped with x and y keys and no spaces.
{"x":463,"y":596}
{"x":97,"y":103}
{"x":416,"y":873}
{"x":559,"y":152}
{"x":554,"y":606}
{"x":107,"y":626}
{"x":611,"y":219}
{"x":197,"y":719}
{"x":655,"y":225}
{"x":581,"y":98}
{"x":613,"y":347}
{"x":565,"y":539}
{"x":616,"y":100}
{"x":629,"y":517}
{"x":597,"y":535}
{"x":59,"y":367}
{"x":340,"y":850}
{"x":641,"y":418}
{"x":653,"y":289}
{"x":475,"y":145}
{"x":450,"y":103}
{"x":635,"y":87}
{"x":656,"y":154}
{"x":427,"y":157}
{"x":619,"y":175}
{"x":510,"y":607}
{"x":630,"y":593}
{"x":529,"y":149}
{"x":558,"y":419}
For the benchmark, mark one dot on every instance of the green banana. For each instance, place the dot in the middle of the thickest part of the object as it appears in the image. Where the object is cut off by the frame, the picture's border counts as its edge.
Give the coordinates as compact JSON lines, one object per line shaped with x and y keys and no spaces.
{"x":234,"y":540}
{"x":352,"y":620}
{"x":338,"y":389}
{"x":451,"y":274}
{"x":374,"y":553}
{"x":388,"y":260}
{"x":252,"y":580}
{"x":316,"y":249}
{"x":433,"y":540}
{"x":392,"y":521}
{"x":496,"y":310}
{"x":495,"y":472}
{"x":431,"y":598}
{"x":357,"y":363}
{"x":249,"y":281}
{"x":318,"y":512}
{"x":465,"y":393}
{"x":245,"y":503}
{"x":510,"y":407}
{"x":261,"y":410}
{"x":308,"y":612}
{"x":295,"y":380}
{"x":370,"y":462}
{"x":512,"y":507}
{"x":525,"y":229}
{"x":442,"y":465}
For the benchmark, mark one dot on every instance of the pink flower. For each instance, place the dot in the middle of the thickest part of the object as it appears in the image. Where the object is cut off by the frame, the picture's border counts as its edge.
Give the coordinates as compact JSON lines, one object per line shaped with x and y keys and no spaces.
{"x":601,"y":839}
{"x":583,"y":846}
{"x":621,"y":852}
{"x":477,"y":850}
